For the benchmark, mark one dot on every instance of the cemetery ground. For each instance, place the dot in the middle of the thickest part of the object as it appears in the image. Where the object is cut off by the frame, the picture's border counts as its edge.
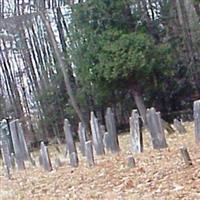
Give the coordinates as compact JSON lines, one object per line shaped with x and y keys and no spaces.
{"x":158,"y":174}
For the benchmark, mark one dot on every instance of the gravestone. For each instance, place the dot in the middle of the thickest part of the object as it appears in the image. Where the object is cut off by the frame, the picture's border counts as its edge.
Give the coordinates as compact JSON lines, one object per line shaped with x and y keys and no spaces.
{"x":73,"y":159}
{"x":97,"y":137}
{"x":135,"y":132}
{"x":197,"y":120}
{"x":6,"y":157}
{"x":5,"y":134}
{"x":179,"y":126}
{"x":155,"y":128}
{"x":89,"y":153}
{"x":18,"y":150}
{"x":111,"y":138}
{"x":70,"y":145}
{"x":24,"y":148}
{"x":82,"y":137}
{"x":44,"y":157}
{"x":131,"y":162}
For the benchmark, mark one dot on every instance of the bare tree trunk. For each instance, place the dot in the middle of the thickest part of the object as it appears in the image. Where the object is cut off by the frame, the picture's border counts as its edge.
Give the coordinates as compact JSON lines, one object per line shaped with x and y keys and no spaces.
{"x":64,"y":70}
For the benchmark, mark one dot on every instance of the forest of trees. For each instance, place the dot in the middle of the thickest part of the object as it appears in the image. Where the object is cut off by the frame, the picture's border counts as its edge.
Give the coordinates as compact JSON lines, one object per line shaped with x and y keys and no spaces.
{"x":63,"y":58}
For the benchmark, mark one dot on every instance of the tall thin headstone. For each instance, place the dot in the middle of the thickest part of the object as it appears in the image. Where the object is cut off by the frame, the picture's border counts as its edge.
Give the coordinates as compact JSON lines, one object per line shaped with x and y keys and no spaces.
{"x":23,"y":145}
{"x":89,"y":153}
{"x":70,"y":145}
{"x":45,"y":159}
{"x":156,"y":130}
{"x":19,"y":155}
{"x":6,"y":157}
{"x":97,"y":137}
{"x":112,"y":138}
{"x":73,"y":159}
{"x":135,"y":132}
{"x":82,"y":137}
{"x":197,"y":120}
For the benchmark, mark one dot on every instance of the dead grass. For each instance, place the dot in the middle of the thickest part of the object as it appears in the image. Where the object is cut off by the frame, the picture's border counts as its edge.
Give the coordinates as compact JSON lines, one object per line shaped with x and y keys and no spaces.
{"x":158,"y":175}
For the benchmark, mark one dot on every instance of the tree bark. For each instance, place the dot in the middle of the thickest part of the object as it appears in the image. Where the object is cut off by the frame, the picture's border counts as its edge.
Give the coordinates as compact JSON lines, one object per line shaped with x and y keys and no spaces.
{"x":64,"y":70}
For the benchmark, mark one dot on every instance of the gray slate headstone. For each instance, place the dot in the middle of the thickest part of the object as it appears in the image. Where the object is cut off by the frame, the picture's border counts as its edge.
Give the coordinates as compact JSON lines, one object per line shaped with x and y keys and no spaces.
{"x":156,"y":129}
{"x":73,"y":159}
{"x":135,"y":132}
{"x":179,"y":126}
{"x":197,"y":120}
{"x":6,"y":157}
{"x":89,"y":153}
{"x":82,"y":137}
{"x":97,"y":137}
{"x":45,"y":159}
{"x":70,"y":145}
{"x":18,"y":150}
{"x":112,"y":140}
{"x":130,"y":162}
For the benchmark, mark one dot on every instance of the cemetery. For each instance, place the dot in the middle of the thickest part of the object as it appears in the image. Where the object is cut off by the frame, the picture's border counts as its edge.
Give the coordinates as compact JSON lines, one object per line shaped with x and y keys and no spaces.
{"x":105,"y":165}
{"x":99,"y":100}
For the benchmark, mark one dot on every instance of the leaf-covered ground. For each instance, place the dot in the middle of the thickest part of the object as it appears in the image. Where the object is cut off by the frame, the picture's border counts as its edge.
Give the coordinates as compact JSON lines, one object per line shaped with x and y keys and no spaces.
{"x":157,"y":175}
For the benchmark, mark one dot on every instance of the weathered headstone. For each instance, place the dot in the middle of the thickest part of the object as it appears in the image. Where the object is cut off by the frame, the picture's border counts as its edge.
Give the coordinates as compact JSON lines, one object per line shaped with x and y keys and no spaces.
{"x":6,"y":135}
{"x":23,"y":145}
{"x":155,"y":128}
{"x":106,"y":141}
{"x":186,"y":156}
{"x":57,"y":163}
{"x":89,"y":153}
{"x":70,"y":145}
{"x":97,"y":137}
{"x":112,"y":138}
{"x":130,"y":162}
{"x":6,"y":157}
{"x":135,"y":132}
{"x":82,"y":137}
{"x":73,"y":159}
{"x":45,"y":159}
{"x":197,"y":120}
{"x":19,"y":154}
{"x":179,"y":126}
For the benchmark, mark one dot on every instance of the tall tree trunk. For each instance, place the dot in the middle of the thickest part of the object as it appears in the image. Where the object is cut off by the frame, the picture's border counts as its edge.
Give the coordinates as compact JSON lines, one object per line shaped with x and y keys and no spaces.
{"x":60,"y":60}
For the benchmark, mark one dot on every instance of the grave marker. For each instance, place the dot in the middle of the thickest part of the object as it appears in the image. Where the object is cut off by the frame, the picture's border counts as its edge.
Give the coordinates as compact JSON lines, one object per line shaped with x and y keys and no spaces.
{"x":97,"y":136}
{"x":156,"y":130}
{"x":89,"y":153}
{"x":136,"y":133}
{"x":197,"y":120}
{"x":112,"y":138}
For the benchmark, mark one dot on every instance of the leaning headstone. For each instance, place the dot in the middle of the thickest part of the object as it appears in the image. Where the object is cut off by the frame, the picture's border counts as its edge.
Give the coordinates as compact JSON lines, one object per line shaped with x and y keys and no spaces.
{"x":73,"y":159}
{"x":179,"y":126}
{"x":97,"y":138}
{"x":156,"y":129}
{"x":45,"y":159}
{"x":112,"y":140}
{"x":197,"y":121}
{"x":82,"y":137}
{"x":186,"y":156}
{"x":136,"y":133}
{"x":70,"y":145}
{"x":19,"y":154}
{"x":89,"y":153}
